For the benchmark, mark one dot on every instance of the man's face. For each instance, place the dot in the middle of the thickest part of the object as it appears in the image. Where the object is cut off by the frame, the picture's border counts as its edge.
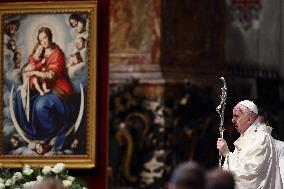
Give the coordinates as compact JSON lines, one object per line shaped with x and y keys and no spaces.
{"x":43,"y":39}
{"x":240,"y":120}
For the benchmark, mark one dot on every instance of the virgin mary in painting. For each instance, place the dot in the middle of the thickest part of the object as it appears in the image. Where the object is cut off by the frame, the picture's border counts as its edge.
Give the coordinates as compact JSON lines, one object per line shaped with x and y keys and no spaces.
{"x":45,"y":122}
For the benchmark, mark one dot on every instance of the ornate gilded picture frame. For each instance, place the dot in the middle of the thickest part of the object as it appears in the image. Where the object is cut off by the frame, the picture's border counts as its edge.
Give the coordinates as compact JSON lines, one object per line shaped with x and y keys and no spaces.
{"x":48,"y":83}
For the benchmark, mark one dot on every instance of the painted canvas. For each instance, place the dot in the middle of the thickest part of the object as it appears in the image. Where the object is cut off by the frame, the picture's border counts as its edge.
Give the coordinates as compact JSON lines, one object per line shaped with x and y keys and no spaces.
{"x":48,"y":68}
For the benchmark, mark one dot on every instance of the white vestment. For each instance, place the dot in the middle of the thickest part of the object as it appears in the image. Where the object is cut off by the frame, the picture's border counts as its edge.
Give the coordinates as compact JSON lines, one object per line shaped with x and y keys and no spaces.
{"x":254,"y":161}
{"x":280,"y":150}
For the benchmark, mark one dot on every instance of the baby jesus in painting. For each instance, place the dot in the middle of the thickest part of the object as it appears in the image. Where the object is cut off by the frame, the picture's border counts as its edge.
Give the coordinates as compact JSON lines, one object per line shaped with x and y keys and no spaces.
{"x":37,"y":62}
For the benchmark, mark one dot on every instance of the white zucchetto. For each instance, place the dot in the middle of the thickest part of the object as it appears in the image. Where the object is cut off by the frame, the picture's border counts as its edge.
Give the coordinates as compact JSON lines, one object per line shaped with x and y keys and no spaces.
{"x":250,"y":105}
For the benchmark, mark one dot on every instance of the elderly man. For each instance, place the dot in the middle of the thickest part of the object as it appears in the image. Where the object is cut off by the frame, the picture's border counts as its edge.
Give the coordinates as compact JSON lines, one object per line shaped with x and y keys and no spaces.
{"x":254,"y":161}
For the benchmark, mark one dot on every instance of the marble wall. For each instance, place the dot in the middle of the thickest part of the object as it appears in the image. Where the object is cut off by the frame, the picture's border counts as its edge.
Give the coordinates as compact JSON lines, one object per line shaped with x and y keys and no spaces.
{"x":134,"y":32}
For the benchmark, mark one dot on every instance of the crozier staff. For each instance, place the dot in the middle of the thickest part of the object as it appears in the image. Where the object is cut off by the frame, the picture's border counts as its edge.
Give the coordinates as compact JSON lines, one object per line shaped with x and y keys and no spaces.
{"x":254,"y":161}
{"x":221,"y":110}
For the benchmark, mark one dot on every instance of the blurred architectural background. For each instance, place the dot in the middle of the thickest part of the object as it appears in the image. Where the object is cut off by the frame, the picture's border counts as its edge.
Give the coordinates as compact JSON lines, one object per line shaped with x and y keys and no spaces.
{"x":166,"y":58}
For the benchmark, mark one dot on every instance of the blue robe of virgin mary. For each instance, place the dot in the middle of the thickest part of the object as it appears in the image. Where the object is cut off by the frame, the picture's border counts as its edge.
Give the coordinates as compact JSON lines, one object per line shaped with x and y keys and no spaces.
{"x":50,"y":117}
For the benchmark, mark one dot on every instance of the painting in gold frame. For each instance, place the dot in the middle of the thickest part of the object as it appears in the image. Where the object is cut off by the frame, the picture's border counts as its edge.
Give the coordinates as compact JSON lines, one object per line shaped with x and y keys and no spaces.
{"x":48,"y":83}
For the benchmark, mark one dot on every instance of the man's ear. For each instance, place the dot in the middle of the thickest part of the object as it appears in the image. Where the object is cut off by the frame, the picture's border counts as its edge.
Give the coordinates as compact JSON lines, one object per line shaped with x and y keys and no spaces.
{"x":251,"y":119}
